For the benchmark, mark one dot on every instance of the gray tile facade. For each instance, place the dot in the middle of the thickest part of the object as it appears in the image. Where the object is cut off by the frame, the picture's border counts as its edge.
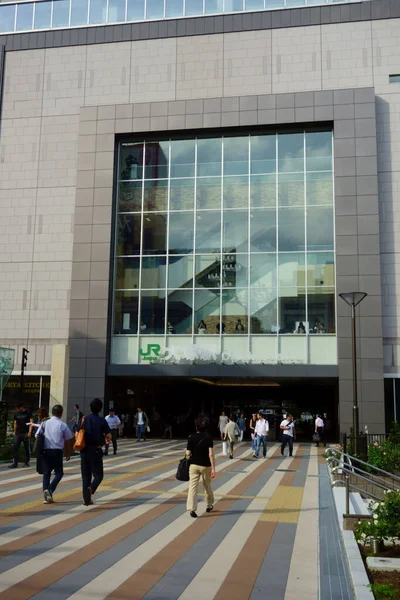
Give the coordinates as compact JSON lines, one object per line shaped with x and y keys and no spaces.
{"x":357,"y":226}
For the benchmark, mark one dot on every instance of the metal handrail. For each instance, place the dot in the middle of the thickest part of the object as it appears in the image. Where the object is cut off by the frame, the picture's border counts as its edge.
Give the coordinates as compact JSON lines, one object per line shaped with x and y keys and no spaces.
{"x":353,"y":458}
{"x":354,"y":487}
{"x":353,"y":470}
{"x":383,"y":487}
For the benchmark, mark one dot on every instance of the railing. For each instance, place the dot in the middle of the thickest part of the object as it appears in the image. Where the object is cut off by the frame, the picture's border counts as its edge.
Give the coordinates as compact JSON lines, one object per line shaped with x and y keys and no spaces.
{"x":358,"y":444}
{"x":42,"y":15}
{"x":370,"y":481}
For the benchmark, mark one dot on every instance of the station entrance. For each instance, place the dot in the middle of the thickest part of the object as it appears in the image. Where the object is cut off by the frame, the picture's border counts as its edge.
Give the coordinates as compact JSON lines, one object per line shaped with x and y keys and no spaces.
{"x":178,"y":401}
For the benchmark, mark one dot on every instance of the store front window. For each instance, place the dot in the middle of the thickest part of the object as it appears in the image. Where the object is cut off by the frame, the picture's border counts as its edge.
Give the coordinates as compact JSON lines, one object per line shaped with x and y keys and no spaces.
{"x":226,"y":236}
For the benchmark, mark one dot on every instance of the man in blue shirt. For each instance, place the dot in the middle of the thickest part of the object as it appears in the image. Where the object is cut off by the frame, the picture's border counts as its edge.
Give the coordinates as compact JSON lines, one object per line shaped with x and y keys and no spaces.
{"x":97,"y":432}
{"x":57,"y":435}
{"x":113,"y":423}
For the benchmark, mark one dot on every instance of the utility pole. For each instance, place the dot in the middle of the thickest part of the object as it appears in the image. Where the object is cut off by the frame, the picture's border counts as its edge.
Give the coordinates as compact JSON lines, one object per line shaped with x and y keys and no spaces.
{"x":24,"y":362}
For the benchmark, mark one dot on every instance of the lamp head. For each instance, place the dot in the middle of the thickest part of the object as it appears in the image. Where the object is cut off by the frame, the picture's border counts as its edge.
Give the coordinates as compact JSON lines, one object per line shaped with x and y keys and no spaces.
{"x":353,"y":298}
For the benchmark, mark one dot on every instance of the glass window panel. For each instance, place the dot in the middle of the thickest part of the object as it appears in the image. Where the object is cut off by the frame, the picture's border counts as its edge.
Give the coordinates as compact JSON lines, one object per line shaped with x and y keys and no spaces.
{"x":60,"y":13}
{"x":319,"y":228}
{"x":135,"y":10}
{"x":181,"y":194}
{"x":131,"y":161}
{"x":79,"y":12}
{"x":209,"y":156}
{"x":180,"y":272}
{"x":233,"y":5}
{"x":155,"y":195}
{"x":294,"y":3}
{"x":152,"y":312}
{"x":254,"y":4}
{"x":235,"y":231}
{"x":129,"y":196}
{"x":126,"y":309}
{"x":292,"y":311}
{"x":319,"y":151}
{"x":180,"y":308}
{"x":183,"y":158}
{"x":7,"y":18}
{"x":116,"y":11}
{"x":263,"y":190}
{"x":321,"y":310}
{"x":213,"y":6}
{"x":156,"y":160}
{"x":174,"y":8}
{"x":235,"y":311}
{"x":42,"y":15}
{"x":263,"y":154}
{"x":98,"y":11}
{"x":274,"y":3}
{"x":24,"y":17}
{"x":128,"y":234}
{"x":208,"y":231}
{"x":208,"y":270}
{"x":291,"y":229}
{"x":235,"y":270}
{"x":127,"y":273}
{"x":263,"y":310}
{"x":208,"y":192}
{"x":291,"y":152}
{"x":319,"y":188}
{"x":236,"y":192}
{"x":207,"y":311}
{"x":263,"y":270}
{"x":154,"y":272}
{"x":263,"y":230}
{"x":193,"y":7}
{"x":320,"y":268}
{"x":291,"y":189}
{"x":181,"y":232}
{"x":236,"y":155}
{"x":154,"y":9}
{"x":292,"y":270}
{"x":154,"y":233}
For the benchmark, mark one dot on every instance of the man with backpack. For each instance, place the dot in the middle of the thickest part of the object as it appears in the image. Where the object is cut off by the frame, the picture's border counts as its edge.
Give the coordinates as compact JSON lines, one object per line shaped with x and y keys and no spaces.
{"x":231,"y":435}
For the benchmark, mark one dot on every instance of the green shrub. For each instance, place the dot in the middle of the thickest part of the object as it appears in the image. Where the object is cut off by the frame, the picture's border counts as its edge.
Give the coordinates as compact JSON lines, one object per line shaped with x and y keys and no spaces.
{"x":386,"y":456}
{"x":384,"y":591}
{"x":386,"y":520}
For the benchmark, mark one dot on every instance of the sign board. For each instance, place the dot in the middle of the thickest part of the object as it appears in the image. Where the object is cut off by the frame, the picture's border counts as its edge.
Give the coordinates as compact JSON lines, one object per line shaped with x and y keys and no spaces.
{"x":6,"y":365}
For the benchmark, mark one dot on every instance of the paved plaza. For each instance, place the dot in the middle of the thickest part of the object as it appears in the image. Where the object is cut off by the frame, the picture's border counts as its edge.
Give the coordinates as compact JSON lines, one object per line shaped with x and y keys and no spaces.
{"x":273,"y":533}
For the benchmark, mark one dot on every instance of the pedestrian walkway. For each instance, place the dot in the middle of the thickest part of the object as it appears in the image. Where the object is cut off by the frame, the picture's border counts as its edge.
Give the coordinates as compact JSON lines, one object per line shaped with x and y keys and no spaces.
{"x":264,"y":538}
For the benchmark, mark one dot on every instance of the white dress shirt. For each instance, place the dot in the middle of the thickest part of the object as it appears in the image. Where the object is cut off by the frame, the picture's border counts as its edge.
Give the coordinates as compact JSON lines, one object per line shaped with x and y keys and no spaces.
{"x":262,"y":427}
{"x":319,"y":422}
{"x":56,"y":432}
{"x":290,"y":424}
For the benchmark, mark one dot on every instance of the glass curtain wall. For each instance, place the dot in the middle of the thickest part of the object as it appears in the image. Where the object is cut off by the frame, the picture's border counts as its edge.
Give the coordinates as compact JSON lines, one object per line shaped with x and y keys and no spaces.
{"x":226,"y":235}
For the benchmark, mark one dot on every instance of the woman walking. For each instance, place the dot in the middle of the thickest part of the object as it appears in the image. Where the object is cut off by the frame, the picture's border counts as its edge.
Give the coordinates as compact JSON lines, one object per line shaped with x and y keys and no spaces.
{"x":202,"y":464}
{"x":241,"y":423}
{"x":252,"y":426}
{"x":222,"y":423}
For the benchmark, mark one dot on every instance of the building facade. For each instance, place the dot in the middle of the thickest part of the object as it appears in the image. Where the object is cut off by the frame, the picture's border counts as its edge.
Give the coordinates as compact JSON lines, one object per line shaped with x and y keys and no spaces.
{"x":186,"y":189}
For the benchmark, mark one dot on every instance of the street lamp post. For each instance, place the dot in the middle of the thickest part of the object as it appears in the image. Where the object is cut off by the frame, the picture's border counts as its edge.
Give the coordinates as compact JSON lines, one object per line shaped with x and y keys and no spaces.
{"x":353,"y":299}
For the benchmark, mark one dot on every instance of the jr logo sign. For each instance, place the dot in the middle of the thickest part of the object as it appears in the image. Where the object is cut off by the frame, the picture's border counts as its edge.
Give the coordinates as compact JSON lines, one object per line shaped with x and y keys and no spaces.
{"x":152,"y":352}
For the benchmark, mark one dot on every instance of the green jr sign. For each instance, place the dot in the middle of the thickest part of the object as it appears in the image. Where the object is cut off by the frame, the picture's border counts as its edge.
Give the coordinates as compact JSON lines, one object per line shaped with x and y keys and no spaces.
{"x":152,"y":352}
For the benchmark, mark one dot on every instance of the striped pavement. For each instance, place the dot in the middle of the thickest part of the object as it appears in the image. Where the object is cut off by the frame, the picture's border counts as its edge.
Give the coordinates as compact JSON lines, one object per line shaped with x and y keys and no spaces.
{"x":263,"y":538}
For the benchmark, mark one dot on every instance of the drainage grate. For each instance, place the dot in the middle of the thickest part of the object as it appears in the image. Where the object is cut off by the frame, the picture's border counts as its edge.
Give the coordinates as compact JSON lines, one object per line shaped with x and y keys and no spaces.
{"x":286,"y":470}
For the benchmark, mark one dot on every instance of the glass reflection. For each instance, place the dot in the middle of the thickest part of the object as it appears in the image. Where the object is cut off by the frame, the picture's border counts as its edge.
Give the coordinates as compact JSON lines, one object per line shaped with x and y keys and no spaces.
{"x":24,"y":17}
{"x":291,"y":189}
{"x":254,"y":4}
{"x":292,"y":311}
{"x":236,"y":155}
{"x":321,"y":310}
{"x":208,"y":193}
{"x":154,"y":272}
{"x":209,"y":156}
{"x":263,"y":154}
{"x":208,"y":270}
{"x":320,"y":269}
{"x":7,"y":18}
{"x":236,"y":192}
{"x":60,"y":13}
{"x":135,"y":10}
{"x":320,"y":228}
{"x":154,"y":233}
{"x":179,"y":312}
{"x":181,"y":194}
{"x":174,"y":8}
{"x":235,"y":270}
{"x":131,"y":161}
{"x":183,"y":158}
{"x":319,"y":151}
{"x":154,"y":9}
{"x":181,"y":232}
{"x":116,"y":11}
{"x":319,"y":188}
{"x":79,"y":12}
{"x":233,"y":6}
{"x":263,"y":191}
{"x":42,"y":15}
{"x":193,"y":7}
{"x":130,"y":196}
{"x":235,"y":231}
{"x":126,"y":309}
{"x":155,"y":195}
{"x":292,"y":270}
{"x":156,"y":160}
{"x":263,"y":270}
{"x":263,"y":230}
{"x":128,"y":234}
{"x":98,"y":11}
{"x":263,"y":310}
{"x":208,"y":231}
{"x":234,"y":311}
{"x":213,"y":6}
{"x":291,"y":152}
{"x":152,"y":312}
{"x":207,"y":311}
{"x":291,"y":229}
{"x":127,"y":275}
{"x":180,"y":272}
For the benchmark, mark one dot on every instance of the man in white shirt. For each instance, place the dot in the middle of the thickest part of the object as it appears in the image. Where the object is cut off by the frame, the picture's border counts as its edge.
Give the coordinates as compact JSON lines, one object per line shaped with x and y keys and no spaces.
{"x":141,"y":422}
{"x":261,"y":430}
{"x":288,"y":434}
{"x":57,"y":435}
{"x":113,"y":423}
{"x":320,"y":430}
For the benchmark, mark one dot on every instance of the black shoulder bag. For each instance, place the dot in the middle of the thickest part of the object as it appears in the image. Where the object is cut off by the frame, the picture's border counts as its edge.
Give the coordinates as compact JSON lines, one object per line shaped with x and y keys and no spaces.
{"x":182,"y":472}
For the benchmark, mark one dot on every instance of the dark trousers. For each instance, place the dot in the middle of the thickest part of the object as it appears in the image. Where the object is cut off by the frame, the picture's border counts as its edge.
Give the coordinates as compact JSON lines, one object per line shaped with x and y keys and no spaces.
{"x":321,"y":431}
{"x":52,"y":460}
{"x":114,"y":435}
{"x":287,"y":439}
{"x":18,"y":440}
{"x":91,"y":469}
